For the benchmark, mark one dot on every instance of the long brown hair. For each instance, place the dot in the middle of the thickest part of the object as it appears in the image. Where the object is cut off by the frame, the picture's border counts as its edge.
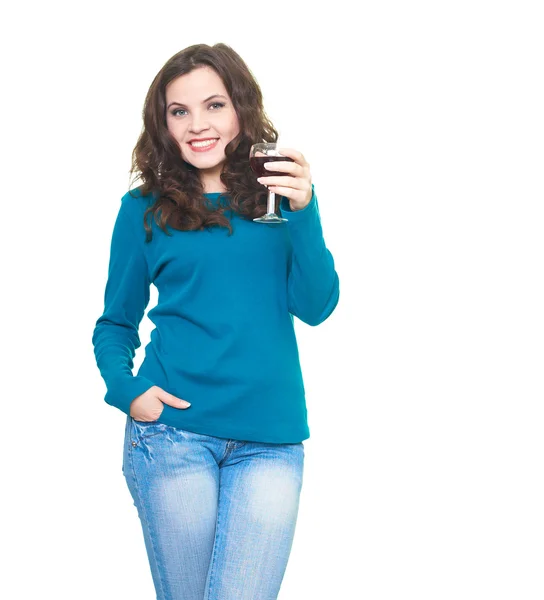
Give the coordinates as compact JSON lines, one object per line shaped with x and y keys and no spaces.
{"x":175,"y":184}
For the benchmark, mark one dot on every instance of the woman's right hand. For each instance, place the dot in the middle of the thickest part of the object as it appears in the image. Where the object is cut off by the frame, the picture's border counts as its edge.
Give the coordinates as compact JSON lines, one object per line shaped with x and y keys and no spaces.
{"x":149,"y":405}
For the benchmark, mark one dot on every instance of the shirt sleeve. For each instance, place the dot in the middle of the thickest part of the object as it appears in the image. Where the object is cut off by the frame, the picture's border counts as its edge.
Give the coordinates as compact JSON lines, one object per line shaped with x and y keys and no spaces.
{"x":313,"y":284}
{"x":115,"y":337}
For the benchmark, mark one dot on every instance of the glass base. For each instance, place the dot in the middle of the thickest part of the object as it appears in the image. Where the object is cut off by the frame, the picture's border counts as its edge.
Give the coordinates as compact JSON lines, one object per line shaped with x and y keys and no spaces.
{"x":270,"y":218}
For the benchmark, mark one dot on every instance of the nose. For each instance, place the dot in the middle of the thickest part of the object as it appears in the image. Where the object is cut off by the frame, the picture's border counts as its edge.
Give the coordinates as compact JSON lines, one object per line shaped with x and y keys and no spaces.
{"x":199,"y":123}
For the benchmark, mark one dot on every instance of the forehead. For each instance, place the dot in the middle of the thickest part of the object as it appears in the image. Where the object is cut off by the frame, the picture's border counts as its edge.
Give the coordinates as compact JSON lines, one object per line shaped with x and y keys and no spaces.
{"x":195,"y":86}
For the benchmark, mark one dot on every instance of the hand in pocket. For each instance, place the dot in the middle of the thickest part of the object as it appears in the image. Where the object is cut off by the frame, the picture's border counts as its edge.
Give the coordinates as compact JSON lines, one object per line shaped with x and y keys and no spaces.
{"x":149,"y":405}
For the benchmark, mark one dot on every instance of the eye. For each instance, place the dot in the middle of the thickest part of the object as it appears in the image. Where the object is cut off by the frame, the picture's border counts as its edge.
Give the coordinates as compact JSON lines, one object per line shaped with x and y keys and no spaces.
{"x":212,"y":105}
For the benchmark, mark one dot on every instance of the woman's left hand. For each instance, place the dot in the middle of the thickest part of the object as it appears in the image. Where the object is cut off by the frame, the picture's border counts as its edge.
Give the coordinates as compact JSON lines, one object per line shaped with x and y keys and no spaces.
{"x":296,"y":185}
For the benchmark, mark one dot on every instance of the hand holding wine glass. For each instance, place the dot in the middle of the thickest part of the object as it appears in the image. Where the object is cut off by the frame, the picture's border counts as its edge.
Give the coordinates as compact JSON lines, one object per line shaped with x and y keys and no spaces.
{"x":289,"y":175}
{"x":259,"y":155}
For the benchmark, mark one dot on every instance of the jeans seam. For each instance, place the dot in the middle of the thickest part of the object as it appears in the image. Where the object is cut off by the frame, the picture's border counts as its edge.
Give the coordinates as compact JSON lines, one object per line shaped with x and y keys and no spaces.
{"x":214,"y":552}
{"x":144,"y":513}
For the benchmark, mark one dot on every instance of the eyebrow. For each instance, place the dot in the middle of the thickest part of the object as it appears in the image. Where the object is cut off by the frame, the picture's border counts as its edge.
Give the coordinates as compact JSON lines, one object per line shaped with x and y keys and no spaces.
{"x":203,"y":101}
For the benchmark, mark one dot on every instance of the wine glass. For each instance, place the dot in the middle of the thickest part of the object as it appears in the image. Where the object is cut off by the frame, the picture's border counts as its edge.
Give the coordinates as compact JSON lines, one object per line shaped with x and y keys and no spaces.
{"x":258,"y":155}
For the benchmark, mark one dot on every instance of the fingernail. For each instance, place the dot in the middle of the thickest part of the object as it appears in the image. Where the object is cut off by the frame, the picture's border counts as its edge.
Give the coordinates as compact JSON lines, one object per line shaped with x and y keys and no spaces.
{"x":185,"y":403}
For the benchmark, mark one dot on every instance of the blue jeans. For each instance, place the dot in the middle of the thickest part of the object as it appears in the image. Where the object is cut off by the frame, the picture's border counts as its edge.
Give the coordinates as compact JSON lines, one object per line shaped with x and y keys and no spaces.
{"x":218,"y":515}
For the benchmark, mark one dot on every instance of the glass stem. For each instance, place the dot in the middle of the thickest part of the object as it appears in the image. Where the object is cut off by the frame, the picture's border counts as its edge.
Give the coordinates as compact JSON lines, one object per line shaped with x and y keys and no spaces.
{"x":271,"y":202}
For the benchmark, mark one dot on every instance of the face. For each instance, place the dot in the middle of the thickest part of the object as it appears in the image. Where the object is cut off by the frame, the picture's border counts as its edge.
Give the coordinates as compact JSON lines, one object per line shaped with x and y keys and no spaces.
{"x":201,"y":118}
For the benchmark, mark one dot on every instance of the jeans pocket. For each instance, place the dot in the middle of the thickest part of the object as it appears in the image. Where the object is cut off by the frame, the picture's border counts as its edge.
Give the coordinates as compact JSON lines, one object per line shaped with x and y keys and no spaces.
{"x":145,"y":429}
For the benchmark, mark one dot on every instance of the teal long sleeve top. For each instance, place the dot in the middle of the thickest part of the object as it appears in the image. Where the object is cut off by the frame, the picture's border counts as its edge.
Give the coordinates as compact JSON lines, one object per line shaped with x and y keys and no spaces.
{"x":224,"y":337}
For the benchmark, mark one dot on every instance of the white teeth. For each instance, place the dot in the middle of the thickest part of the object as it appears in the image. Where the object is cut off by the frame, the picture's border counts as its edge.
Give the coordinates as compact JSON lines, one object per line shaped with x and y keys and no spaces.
{"x":203,"y":144}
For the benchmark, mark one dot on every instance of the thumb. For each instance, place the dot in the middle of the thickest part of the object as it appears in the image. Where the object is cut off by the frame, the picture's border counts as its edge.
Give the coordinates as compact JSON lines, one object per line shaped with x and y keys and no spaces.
{"x":172,"y":400}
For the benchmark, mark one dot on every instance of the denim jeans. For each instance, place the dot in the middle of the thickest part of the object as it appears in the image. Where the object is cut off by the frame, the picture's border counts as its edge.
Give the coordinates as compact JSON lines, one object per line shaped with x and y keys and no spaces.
{"x":218,"y":515}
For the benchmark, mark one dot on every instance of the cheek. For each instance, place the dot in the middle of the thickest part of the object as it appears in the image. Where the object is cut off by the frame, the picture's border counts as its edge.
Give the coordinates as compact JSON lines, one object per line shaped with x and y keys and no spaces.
{"x":234,"y":126}
{"x":177,"y":132}
{"x":176,"y":129}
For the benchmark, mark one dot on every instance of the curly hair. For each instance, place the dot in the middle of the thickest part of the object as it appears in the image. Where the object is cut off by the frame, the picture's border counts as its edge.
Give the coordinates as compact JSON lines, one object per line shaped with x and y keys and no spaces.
{"x":175,"y":184}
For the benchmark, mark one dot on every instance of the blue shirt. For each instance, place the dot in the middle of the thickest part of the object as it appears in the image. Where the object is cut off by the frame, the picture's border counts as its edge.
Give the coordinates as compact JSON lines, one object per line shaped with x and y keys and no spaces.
{"x":224,"y":337}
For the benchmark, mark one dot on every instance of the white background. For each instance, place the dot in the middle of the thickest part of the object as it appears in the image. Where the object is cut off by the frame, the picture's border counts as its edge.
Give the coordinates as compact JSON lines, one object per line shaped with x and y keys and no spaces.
{"x":423,"y":125}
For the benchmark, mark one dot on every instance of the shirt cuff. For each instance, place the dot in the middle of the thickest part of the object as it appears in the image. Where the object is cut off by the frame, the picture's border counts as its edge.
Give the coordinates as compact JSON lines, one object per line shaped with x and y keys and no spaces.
{"x":121,"y":393}
{"x":284,"y":205}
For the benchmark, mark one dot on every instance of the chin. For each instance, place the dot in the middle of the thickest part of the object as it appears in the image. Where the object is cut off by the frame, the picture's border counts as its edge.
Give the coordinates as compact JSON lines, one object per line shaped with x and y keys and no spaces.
{"x":207,"y":166}
{"x":205,"y":162}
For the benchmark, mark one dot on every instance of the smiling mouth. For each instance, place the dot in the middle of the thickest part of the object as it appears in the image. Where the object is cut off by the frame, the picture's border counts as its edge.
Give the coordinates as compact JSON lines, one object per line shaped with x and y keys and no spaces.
{"x":204,"y":144}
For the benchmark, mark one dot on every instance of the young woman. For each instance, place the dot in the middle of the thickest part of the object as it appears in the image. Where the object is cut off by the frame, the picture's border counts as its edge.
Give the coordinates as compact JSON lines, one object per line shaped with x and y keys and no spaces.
{"x":216,"y":416}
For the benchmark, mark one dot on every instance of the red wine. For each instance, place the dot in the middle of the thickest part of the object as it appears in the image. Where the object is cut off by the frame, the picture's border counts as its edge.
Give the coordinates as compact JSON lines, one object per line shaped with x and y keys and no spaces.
{"x":257,"y":164}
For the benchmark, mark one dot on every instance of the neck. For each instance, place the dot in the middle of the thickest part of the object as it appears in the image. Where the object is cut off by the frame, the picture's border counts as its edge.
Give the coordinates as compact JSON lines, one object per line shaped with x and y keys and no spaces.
{"x":211,"y":182}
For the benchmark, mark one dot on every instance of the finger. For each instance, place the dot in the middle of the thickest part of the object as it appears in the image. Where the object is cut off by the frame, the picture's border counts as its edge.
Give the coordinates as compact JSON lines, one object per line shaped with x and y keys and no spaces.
{"x":172,"y":400}
{"x":285,"y":166}
{"x":297,"y":156}
{"x":293,"y":182}
{"x":295,"y":195}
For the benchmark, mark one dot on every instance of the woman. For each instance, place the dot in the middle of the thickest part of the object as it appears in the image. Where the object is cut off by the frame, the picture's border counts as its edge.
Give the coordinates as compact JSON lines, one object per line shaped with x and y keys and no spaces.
{"x":216,"y":416}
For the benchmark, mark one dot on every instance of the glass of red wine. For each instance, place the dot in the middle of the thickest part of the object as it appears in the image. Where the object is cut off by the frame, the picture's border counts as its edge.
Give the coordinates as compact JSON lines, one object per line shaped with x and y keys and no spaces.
{"x":258,"y":155}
